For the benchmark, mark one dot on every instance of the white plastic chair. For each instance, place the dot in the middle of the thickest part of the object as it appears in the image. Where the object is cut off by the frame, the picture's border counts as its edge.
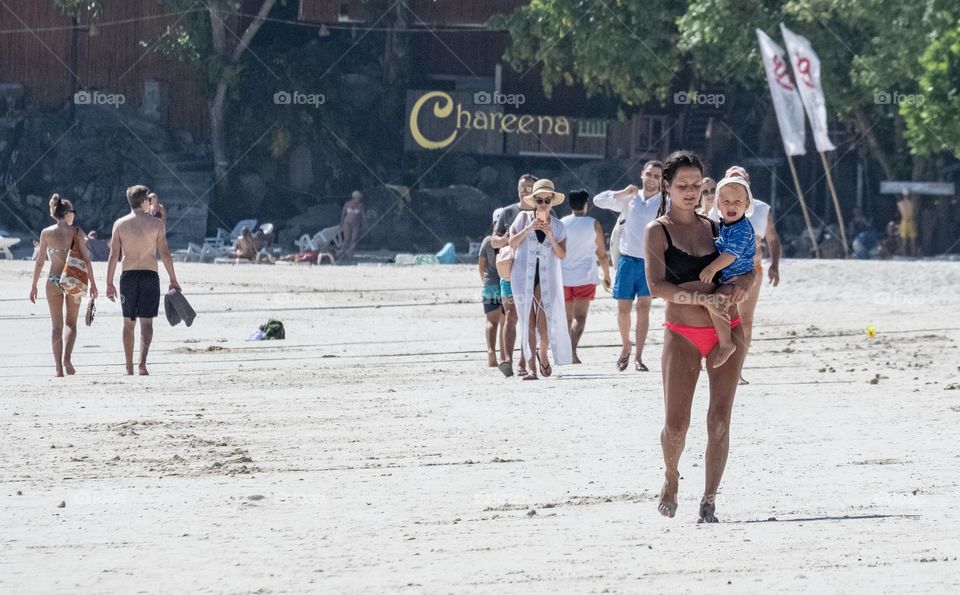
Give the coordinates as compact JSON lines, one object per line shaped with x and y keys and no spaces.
{"x":304,"y":243}
{"x":193,"y":253}
{"x":6,"y":244}
{"x":220,"y":240}
{"x":325,"y":237}
{"x":321,"y":256}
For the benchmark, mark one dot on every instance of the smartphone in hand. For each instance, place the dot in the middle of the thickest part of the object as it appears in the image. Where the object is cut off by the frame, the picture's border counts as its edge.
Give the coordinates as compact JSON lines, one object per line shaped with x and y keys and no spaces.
{"x":543,"y":216}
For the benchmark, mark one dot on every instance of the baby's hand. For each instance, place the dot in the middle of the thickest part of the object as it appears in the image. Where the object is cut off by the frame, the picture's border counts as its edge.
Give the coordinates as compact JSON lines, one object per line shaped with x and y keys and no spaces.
{"x":707,"y":275}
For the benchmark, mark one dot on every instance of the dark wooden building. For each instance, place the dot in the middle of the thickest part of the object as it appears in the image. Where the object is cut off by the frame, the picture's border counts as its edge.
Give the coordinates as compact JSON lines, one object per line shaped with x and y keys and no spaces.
{"x":115,"y":55}
{"x":457,"y":55}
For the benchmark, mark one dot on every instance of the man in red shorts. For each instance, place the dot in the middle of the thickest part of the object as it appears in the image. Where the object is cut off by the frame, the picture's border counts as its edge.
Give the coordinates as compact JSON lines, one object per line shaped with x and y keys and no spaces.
{"x":585,"y":247}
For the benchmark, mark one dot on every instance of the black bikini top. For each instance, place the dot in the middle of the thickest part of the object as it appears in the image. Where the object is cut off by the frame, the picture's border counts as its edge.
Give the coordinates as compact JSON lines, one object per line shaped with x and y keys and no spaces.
{"x":682,"y":267}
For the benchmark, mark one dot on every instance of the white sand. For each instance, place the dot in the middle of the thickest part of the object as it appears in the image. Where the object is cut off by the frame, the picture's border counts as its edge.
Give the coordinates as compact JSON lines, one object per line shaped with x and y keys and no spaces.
{"x":373,"y":451}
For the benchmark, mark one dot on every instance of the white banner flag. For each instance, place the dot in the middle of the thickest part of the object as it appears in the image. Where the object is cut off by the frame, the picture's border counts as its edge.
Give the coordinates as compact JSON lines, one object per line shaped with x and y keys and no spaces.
{"x":806,"y":71}
{"x":786,"y":100}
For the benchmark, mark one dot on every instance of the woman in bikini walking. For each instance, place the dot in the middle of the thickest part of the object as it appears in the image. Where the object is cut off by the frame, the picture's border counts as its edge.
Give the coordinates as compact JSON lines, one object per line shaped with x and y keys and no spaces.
{"x":352,"y":221}
{"x":55,"y":244}
{"x":679,"y":246}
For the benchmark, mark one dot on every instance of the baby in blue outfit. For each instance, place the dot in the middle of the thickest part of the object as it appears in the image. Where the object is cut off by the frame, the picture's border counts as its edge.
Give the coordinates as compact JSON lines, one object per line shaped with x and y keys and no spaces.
{"x":737,"y":244}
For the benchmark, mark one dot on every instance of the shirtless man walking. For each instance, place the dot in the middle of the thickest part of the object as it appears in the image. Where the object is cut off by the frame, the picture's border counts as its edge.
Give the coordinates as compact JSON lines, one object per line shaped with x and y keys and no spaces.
{"x":140,"y":236}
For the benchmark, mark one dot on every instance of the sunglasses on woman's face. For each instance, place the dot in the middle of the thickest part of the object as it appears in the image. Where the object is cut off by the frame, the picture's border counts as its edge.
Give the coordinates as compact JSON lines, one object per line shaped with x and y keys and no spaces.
{"x":544,"y":201}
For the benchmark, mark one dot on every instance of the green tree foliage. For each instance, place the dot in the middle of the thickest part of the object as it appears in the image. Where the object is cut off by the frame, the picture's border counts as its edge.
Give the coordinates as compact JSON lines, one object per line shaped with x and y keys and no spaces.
{"x":622,"y":48}
{"x":640,"y":51}
{"x":933,"y":122}
{"x":75,"y":9}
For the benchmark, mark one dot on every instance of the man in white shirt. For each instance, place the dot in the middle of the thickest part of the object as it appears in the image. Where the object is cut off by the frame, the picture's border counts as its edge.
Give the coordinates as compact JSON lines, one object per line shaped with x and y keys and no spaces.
{"x":585,"y":248}
{"x":638,"y":208}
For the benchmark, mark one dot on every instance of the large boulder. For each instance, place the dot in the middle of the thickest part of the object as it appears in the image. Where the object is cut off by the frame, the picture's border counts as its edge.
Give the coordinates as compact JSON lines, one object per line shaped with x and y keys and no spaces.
{"x":425,"y":220}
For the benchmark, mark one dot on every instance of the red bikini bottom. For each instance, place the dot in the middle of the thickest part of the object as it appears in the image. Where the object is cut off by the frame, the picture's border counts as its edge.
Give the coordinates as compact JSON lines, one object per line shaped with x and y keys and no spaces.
{"x":704,"y":338}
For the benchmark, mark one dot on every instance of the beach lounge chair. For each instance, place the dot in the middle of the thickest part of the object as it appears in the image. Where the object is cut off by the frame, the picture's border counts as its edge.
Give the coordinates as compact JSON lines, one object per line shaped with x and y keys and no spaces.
{"x":331,"y":235}
{"x":224,"y":237}
{"x":5,"y":244}
{"x":321,"y":242}
{"x":321,"y":256}
{"x":193,"y":253}
{"x":325,"y":239}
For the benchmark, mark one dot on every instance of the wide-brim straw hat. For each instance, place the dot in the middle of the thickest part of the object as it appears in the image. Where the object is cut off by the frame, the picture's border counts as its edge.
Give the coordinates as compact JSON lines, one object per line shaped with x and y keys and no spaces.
{"x":543,"y":186}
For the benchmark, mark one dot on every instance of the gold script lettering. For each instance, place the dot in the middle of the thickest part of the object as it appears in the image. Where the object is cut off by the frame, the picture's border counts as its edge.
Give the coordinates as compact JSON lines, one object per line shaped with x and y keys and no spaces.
{"x":442,"y":109}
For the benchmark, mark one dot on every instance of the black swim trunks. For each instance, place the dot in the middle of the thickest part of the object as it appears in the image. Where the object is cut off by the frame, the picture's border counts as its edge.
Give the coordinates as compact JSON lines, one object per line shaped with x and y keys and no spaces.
{"x":140,"y":294}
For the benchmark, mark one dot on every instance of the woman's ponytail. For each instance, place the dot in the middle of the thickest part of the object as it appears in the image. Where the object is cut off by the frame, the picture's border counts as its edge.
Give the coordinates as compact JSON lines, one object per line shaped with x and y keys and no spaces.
{"x":59,"y":207}
{"x":663,"y":199}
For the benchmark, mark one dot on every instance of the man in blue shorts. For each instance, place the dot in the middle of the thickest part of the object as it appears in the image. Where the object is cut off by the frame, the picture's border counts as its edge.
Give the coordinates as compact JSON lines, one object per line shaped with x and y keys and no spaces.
{"x":639,"y":207}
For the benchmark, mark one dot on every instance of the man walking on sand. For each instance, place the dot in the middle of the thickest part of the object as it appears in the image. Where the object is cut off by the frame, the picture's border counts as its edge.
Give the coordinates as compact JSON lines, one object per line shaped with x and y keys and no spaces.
{"x":586,"y":247}
{"x":638,"y":207}
{"x":139,"y":236}
{"x":499,"y":239}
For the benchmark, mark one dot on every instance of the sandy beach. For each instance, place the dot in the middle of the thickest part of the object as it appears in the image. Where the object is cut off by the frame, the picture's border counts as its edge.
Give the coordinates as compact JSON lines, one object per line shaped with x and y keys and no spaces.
{"x":374,"y":451}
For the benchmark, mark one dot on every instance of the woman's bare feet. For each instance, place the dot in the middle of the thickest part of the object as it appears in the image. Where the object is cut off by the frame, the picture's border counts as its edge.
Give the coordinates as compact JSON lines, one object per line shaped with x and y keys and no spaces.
{"x":708,"y":509}
{"x":68,"y":366}
{"x":624,"y":360}
{"x":668,"y":497}
{"x":59,"y":372}
{"x":143,"y":370}
{"x":723,"y":354}
{"x":545,"y":368}
{"x":491,"y":359}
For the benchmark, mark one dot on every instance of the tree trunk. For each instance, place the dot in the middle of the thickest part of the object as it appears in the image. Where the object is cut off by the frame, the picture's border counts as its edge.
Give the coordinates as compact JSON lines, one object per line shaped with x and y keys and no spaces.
{"x":229,"y":50}
{"x":74,"y":61}
{"x":865,"y":129}
{"x":396,"y":49}
{"x":218,"y":141}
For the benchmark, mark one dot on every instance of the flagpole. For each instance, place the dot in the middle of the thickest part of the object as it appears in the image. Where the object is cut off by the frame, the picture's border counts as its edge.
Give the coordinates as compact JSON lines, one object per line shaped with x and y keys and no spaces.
{"x":803,"y":207}
{"x":836,"y":205}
